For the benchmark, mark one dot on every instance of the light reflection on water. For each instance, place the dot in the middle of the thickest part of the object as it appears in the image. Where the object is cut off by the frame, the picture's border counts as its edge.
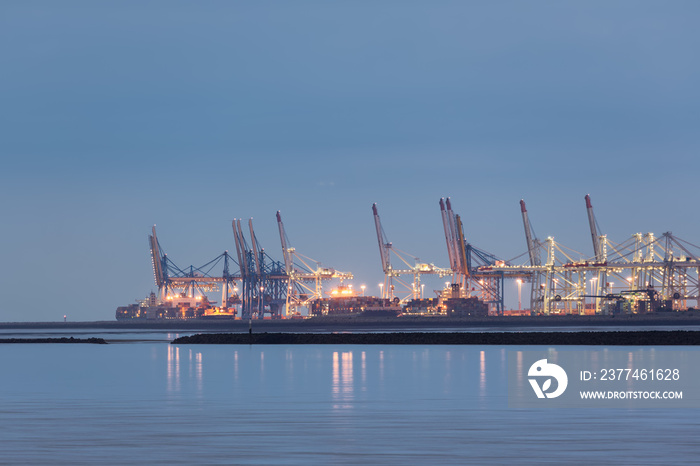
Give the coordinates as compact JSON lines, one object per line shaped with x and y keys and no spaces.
{"x":342,"y":388}
{"x":482,"y":373}
{"x":173,"y":369}
{"x":306,"y":404}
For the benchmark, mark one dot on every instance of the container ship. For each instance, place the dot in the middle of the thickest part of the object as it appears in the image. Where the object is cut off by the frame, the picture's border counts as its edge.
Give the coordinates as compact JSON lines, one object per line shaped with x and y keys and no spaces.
{"x":177,"y":307}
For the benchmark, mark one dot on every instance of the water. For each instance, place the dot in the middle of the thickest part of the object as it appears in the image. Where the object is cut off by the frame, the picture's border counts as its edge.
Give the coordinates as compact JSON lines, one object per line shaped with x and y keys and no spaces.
{"x":155,"y":403}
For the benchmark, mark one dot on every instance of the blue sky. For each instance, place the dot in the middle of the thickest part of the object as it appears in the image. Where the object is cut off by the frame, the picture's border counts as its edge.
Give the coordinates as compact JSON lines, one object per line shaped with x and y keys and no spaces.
{"x":119,"y":115}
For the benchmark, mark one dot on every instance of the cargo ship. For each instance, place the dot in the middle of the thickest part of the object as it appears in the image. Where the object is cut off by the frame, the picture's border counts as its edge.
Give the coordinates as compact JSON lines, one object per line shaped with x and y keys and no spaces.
{"x":176,"y":307}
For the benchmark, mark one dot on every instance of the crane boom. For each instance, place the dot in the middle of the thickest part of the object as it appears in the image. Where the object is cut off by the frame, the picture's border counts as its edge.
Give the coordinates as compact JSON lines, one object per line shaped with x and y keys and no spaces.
{"x":528,"y":235}
{"x":458,"y":266}
{"x":462,"y":247}
{"x":448,"y":235}
{"x":283,"y":240}
{"x":240,"y":247}
{"x":384,"y":254}
{"x":255,"y":247}
{"x":594,"y":230}
{"x":155,"y":258}
{"x":244,"y":246}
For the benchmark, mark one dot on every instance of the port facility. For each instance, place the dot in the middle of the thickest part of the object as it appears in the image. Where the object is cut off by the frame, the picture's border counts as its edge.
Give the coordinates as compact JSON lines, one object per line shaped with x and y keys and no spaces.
{"x":643,"y":274}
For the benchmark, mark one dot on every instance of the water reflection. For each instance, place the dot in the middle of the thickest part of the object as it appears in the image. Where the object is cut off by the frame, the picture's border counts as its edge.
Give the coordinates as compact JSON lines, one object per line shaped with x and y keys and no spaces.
{"x":381,"y":367}
{"x":262,"y":365}
{"x":173,"y":368}
{"x":364,"y":371}
{"x":448,"y":371}
{"x":198,"y":373}
{"x":289,"y":366}
{"x":401,"y":420}
{"x":630,"y":366}
{"x":342,"y":388}
{"x":194,"y":370}
{"x":482,"y":374}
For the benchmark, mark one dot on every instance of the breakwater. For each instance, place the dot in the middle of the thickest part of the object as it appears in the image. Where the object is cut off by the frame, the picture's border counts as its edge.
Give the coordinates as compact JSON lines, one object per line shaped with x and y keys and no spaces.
{"x":95,"y":341}
{"x":348,"y":322}
{"x":633,"y":338}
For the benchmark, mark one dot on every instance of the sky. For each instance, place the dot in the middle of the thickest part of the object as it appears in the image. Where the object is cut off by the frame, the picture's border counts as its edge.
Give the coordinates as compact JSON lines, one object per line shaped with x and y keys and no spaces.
{"x":118,"y":115}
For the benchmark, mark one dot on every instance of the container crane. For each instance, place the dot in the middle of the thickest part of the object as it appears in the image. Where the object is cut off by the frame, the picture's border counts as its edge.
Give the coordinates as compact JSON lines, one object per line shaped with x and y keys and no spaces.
{"x":190,"y":280}
{"x":390,"y":274}
{"x":263,"y":280}
{"x":599,"y":282}
{"x":299,"y":293}
{"x":533,"y":250}
{"x":384,"y":245}
{"x":466,"y":260}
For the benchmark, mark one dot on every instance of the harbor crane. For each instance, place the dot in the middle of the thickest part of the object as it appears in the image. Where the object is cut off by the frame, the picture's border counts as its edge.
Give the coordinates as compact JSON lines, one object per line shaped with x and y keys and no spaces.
{"x":416,"y":270}
{"x":467,"y":260}
{"x":191,"y":281}
{"x":642,"y":274}
{"x":306,"y":276}
{"x":263,"y":280}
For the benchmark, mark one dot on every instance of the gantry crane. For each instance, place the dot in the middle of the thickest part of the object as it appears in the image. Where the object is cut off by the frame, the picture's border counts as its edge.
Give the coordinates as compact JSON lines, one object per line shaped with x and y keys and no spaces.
{"x":192,"y":281}
{"x":642,"y":274}
{"x":466,"y":261}
{"x":301,"y":274}
{"x":390,"y":273}
{"x":263,"y":280}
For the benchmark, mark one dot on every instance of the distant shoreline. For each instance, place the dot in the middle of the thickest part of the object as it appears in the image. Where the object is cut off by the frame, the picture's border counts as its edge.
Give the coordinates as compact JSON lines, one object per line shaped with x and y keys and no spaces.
{"x":634,"y":338}
{"x":94,"y":341}
{"x":350,"y":322}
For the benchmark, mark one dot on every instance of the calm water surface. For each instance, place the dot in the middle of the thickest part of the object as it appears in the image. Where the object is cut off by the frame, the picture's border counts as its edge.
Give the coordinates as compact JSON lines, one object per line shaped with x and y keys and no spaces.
{"x":165,"y":404}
